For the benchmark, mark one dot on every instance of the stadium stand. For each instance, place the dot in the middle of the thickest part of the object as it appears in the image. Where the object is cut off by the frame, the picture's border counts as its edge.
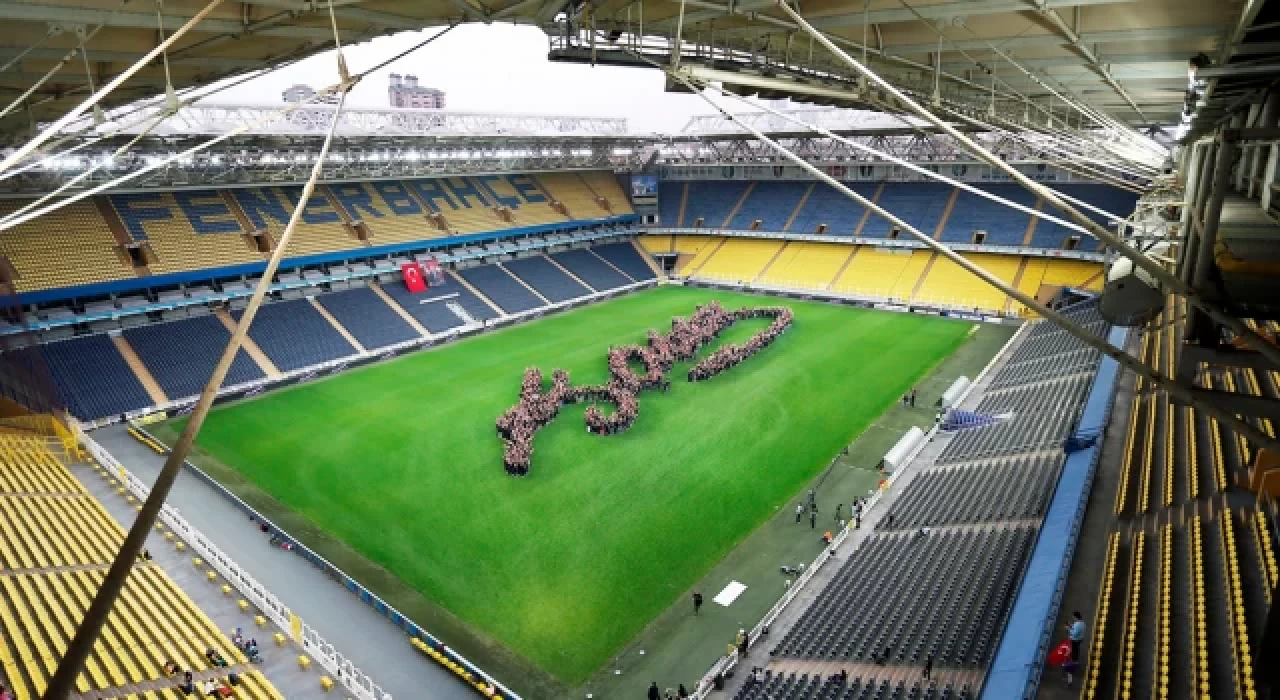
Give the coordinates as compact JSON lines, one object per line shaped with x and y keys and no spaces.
{"x":591,"y":269}
{"x":431,"y":307}
{"x":626,"y":259}
{"x":501,"y":288}
{"x":998,"y":489}
{"x":807,"y":265}
{"x":949,"y":283}
{"x":778,"y":686}
{"x":56,"y":543}
{"x":547,"y":279}
{"x":711,"y":204}
{"x":922,"y":205}
{"x":671,"y":199}
{"x":294,"y":335}
{"x":39,"y":260}
{"x":186,"y":230}
{"x":741,"y":259}
{"x":366,"y":316}
{"x":769,"y":206}
{"x":92,"y":377}
{"x":1117,"y":201}
{"x":828,"y":207}
{"x":181,"y":354}
{"x":1003,"y":225}
{"x":320,"y":230}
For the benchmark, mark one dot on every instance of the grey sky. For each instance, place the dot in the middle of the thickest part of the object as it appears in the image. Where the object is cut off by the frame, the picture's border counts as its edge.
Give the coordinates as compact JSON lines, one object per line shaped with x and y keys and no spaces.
{"x":493,"y":68}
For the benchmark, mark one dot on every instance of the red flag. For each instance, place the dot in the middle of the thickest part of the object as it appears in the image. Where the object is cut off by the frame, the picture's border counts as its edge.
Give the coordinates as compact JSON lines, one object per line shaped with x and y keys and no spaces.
{"x":1060,"y":653}
{"x":413,"y":277}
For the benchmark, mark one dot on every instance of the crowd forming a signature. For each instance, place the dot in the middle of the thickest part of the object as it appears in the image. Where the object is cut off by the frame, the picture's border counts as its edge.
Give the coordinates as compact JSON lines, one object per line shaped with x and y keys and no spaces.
{"x":536,"y":408}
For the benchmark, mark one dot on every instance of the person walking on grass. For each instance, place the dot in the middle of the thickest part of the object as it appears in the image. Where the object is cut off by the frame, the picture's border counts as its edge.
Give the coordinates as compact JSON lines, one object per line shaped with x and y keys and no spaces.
{"x":697,"y":603}
{"x":654,"y":693}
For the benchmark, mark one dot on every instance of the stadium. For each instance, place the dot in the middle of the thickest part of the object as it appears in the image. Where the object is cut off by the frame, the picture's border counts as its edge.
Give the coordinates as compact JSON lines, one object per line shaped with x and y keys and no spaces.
{"x":935,"y":355}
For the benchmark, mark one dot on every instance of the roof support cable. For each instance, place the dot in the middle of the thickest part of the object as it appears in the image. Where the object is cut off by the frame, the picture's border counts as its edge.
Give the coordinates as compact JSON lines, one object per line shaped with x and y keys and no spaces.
{"x":676,"y":49}
{"x":50,"y":33}
{"x":62,"y":62}
{"x":1169,"y":281}
{"x":53,"y":129}
{"x":170,"y":97}
{"x":1104,"y":346}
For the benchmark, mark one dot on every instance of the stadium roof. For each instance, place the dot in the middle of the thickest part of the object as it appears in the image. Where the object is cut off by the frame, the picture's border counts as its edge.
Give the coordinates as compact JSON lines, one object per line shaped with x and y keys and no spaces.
{"x":1129,"y":57}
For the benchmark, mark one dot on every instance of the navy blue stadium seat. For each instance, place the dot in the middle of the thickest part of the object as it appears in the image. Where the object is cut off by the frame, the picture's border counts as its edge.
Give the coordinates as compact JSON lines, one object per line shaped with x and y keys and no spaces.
{"x":92,"y":378}
{"x":430,"y":307}
{"x":919,"y":204}
{"x":771,"y":203}
{"x":712,"y":201}
{"x":1004,"y":225}
{"x":625,"y":257}
{"x":501,"y":288}
{"x":826,"y":205}
{"x":547,"y":279}
{"x":367,"y":317}
{"x":669,"y":196}
{"x":181,"y":354}
{"x":294,"y":335}
{"x":591,"y":269}
{"x":1112,"y":199}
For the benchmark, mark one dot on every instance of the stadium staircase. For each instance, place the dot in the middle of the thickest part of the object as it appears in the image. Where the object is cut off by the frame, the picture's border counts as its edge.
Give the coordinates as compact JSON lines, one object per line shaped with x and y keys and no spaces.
{"x":56,"y":543}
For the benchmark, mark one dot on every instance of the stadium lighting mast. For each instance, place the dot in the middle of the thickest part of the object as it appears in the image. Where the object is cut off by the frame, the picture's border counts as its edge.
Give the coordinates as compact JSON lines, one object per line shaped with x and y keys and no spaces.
{"x":1167,"y":279}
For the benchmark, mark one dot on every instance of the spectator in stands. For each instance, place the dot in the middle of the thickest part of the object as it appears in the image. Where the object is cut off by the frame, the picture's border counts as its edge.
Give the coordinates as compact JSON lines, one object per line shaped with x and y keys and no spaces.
{"x":4,"y":694}
{"x":188,"y":684}
{"x":697,"y":602}
{"x":1075,"y":632}
{"x":654,"y":693}
{"x":210,"y":689}
{"x":215,"y":658}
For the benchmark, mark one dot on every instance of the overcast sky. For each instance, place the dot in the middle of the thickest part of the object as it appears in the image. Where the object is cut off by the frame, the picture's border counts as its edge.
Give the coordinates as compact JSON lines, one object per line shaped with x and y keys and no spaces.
{"x":493,"y":68}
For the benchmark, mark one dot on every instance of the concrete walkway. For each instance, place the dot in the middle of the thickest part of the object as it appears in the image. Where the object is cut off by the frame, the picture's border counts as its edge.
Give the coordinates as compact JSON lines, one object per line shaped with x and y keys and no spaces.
{"x":368,"y":639}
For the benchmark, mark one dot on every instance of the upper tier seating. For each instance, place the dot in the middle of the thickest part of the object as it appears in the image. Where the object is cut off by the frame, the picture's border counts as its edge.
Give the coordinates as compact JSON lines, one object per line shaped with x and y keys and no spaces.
{"x":501,"y":288}
{"x":68,"y":247}
{"x":921,"y":205}
{"x":187,"y":230}
{"x":55,"y":545}
{"x":547,"y":279}
{"x":1004,"y":225}
{"x":181,"y":354}
{"x":770,"y":203}
{"x":670,"y":194}
{"x":93,"y":379}
{"x":591,"y":269}
{"x":204,"y":229}
{"x":626,"y":258}
{"x":740,"y":259}
{"x":294,"y":335}
{"x":367,"y":317}
{"x":1112,"y":199}
{"x":712,"y":202}
{"x":826,"y":205}
{"x":944,"y":594}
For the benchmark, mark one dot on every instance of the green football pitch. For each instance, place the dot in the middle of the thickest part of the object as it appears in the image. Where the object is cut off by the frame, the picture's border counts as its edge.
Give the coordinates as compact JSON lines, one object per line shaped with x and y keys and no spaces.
{"x":401,"y":462}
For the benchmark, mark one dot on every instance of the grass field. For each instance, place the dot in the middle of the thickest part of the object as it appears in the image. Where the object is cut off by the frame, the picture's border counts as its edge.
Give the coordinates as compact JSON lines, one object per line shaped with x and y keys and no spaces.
{"x":400,"y":461}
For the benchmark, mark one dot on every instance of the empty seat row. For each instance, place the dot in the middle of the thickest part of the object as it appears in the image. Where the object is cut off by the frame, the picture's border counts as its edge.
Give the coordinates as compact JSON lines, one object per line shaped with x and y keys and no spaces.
{"x":790,"y":686}
{"x":545,"y":278}
{"x":294,"y":335}
{"x":1001,"y":489}
{"x":1041,"y":416}
{"x":902,"y":598}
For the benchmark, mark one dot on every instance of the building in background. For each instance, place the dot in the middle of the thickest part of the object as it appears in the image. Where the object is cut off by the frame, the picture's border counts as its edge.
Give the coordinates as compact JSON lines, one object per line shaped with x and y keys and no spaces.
{"x":404,"y":91}
{"x":301,"y":93}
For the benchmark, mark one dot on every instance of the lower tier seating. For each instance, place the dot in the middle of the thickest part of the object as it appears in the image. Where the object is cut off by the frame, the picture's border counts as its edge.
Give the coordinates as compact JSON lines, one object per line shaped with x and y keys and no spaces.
{"x":501,"y":288}
{"x":93,"y":379}
{"x":181,"y":354}
{"x":589,"y":268}
{"x":431,"y":308}
{"x":626,"y":258}
{"x":903,"y":597}
{"x":1013,"y":488}
{"x":547,"y":279}
{"x":789,"y":686}
{"x":367,"y":317}
{"x":294,"y":335}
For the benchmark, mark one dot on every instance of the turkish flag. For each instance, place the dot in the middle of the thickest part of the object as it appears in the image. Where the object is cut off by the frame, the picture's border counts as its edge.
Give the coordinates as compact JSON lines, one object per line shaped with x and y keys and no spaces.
{"x":1060,"y":653}
{"x":413,"y":278}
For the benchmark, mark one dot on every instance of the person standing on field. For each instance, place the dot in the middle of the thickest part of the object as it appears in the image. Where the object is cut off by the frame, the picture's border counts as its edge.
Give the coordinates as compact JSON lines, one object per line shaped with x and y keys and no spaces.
{"x":697,"y":602}
{"x":813,"y":519}
{"x":799,"y":512}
